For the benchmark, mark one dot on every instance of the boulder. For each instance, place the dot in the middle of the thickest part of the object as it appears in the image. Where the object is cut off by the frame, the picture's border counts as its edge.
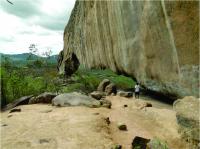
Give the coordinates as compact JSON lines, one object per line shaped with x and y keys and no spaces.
{"x":43,"y":98}
{"x":103,"y":85}
{"x":122,"y":126}
{"x":75,"y":99}
{"x":21,"y":101}
{"x":125,"y":94}
{"x":187,"y":115}
{"x":140,"y":143}
{"x":105,"y":103}
{"x":97,"y":95}
{"x":111,"y":88}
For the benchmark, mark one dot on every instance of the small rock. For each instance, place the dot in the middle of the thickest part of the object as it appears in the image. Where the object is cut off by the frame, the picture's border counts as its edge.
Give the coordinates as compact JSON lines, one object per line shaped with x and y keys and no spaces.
{"x":103,"y":85}
{"x":140,"y":143}
{"x":105,"y":103}
{"x":96,"y":113}
{"x":3,"y":125}
{"x":125,"y":106}
{"x":43,"y":141}
{"x":125,"y":94}
{"x":122,"y":126}
{"x":15,"y":110}
{"x":107,"y":120}
{"x":117,"y":146}
{"x":113,"y":94}
{"x":10,"y":116}
{"x":97,"y":95}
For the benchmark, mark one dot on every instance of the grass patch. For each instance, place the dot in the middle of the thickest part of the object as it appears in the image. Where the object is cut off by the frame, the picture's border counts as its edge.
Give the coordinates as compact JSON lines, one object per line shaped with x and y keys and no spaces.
{"x":89,"y":80}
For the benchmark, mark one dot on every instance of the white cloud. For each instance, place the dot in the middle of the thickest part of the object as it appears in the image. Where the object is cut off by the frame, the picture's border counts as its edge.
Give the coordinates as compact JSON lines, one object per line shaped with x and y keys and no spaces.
{"x":43,"y":26}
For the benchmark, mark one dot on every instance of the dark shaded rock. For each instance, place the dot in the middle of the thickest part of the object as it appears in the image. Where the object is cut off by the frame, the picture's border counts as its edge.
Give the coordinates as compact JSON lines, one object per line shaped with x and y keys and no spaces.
{"x":107,"y":119}
{"x":111,"y":88}
{"x":140,"y":143}
{"x":122,"y":126}
{"x":43,"y":98}
{"x":105,"y":103}
{"x":125,"y":106}
{"x":117,"y":146}
{"x":187,"y":115}
{"x":75,"y":99}
{"x":125,"y":94}
{"x":156,"y":143}
{"x":3,"y":125}
{"x":102,"y":85}
{"x":21,"y":101}
{"x":15,"y":110}
{"x":10,"y":116}
{"x":97,"y":95}
{"x":71,"y":65}
{"x":43,"y":141}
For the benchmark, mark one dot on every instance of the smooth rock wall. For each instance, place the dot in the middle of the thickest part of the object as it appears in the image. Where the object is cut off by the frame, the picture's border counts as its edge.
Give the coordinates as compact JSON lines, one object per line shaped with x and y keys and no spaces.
{"x":155,"y":42}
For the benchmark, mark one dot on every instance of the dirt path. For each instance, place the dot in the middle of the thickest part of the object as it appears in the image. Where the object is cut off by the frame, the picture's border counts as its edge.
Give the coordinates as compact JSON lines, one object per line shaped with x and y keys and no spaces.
{"x":43,"y":126}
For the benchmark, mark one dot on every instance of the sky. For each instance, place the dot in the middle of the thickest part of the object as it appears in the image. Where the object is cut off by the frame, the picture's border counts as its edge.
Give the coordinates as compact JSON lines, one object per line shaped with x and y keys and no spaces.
{"x":39,"y":22}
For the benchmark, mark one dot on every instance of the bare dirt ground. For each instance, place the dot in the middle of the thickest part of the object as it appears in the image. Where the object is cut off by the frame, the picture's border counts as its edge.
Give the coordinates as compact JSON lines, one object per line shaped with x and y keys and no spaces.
{"x":42,"y":126}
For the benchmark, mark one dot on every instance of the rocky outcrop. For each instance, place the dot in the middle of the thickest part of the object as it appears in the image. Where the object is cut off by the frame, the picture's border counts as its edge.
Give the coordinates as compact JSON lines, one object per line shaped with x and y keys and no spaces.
{"x":154,"y":42}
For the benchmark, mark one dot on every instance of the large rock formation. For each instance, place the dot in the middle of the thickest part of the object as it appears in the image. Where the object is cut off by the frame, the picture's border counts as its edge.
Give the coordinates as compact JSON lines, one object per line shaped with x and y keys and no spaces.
{"x":187,"y":114}
{"x":155,"y":42}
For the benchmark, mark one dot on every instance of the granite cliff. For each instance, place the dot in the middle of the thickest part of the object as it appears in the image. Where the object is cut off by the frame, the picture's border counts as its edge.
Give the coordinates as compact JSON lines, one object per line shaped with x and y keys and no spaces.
{"x":154,"y":42}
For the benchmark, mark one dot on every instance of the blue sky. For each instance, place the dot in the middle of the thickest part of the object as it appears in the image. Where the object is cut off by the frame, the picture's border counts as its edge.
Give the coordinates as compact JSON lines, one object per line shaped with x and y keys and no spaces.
{"x":39,"y":22}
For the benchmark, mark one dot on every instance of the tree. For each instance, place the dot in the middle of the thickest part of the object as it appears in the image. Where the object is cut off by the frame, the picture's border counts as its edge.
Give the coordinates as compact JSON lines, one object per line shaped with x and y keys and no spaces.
{"x":47,"y":54}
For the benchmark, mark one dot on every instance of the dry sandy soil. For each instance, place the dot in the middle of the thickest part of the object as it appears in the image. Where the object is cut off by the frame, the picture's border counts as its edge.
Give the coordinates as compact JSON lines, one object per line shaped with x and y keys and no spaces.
{"x":42,"y":126}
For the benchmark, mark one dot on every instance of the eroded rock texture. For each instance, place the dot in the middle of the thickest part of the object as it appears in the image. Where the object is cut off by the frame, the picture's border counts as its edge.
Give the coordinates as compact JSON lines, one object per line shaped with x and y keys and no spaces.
{"x":155,"y":42}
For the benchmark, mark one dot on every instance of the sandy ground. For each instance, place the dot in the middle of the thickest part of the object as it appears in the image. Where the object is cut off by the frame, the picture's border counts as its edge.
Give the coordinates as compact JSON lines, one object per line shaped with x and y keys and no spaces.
{"x":42,"y":126}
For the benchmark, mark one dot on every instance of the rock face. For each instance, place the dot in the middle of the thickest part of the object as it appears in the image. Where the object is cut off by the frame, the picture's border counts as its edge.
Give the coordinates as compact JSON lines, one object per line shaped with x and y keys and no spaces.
{"x":154,"y":42}
{"x":188,"y":118}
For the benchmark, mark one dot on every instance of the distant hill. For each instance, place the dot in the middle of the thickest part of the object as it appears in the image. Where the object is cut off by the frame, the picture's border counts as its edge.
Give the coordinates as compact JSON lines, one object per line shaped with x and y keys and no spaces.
{"x":25,"y":58}
{"x":22,"y":58}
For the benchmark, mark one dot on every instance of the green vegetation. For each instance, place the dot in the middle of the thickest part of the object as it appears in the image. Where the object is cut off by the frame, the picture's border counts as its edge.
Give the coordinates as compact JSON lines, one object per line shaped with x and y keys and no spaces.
{"x":158,"y":144}
{"x":91,"y":78}
{"x":37,"y":77}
